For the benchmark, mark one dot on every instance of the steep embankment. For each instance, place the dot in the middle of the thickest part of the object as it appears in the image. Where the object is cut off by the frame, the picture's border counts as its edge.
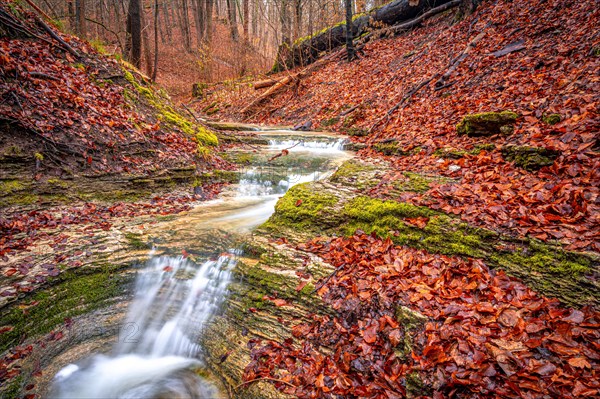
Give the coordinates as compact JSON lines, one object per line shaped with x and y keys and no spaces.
{"x":90,"y":153}
{"x":540,"y":179}
{"x":482,"y":279}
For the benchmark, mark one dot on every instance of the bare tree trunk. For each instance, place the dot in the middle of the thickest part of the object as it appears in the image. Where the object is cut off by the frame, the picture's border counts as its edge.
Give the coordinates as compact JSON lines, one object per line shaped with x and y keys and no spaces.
{"x":72,"y":20}
{"x":146,"y":40}
{"x":209,"y":20}
{"x":185,"y":26}
{"x":246,"y":8}
{"x":200,"y":18}
{"x":231,"y":11}
{"x":285,"y":21}
{"x":297,"y":19}
{"x":156,"y":20}
{"x":80,"y":18}
{"x":349,"y":31}
{"x":133,"y":45}
{"x":167,"y":22}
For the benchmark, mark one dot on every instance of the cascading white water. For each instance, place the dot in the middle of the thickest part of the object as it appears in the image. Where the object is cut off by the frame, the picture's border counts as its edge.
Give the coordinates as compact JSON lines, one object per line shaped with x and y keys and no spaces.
{"x":174,"y":299}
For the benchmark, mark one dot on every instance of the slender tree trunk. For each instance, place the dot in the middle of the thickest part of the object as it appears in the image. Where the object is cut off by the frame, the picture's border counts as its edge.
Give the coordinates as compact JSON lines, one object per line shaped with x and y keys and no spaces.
{"x":80,"y":18}
{"x":349,"y":31}
{"x":134,"y":33}
{"x":231,"y":11}
{"x":72,"y":19}
{"x":246,"y":8}
{"x":297,"y":19}
{"x":146,"y":40}
{"x":156,"y":20}
{"x":167,"y":22}
{"x":185,"y":26}
{"x":209,"y":20}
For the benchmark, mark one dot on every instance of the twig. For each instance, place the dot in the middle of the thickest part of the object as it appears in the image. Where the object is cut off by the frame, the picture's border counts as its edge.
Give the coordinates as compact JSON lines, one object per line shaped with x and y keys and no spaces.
{"x":42,"y":75}
{"x":388,"y":114}
{"x":328,"y":278}
{"x":109,"y":31}
{"x":283,"y":152}
{"x":456,"y":62}
{"x":58,"y":38}
{"x":263,"y":379}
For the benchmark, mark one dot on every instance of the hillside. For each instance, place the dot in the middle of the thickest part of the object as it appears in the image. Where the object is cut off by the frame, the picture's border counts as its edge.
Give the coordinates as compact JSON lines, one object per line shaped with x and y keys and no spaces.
{"x":391,"y":101}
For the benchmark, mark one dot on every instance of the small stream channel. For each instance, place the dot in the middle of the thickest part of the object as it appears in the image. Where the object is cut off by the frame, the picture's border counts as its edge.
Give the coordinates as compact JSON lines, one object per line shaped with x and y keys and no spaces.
{"x":157,"y":349}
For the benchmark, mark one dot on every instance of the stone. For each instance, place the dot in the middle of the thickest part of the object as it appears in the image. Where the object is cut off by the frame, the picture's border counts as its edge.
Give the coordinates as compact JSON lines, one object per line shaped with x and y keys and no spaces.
{"x":487,"y":124}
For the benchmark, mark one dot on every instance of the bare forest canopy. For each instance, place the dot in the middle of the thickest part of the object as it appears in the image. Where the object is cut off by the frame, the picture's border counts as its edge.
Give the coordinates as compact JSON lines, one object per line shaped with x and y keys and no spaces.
{"x":182,"y":41}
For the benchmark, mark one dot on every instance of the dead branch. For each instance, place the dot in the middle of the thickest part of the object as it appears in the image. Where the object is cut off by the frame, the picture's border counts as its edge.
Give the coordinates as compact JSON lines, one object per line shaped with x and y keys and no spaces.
{"x":263,"y":379}
{"x":295,"y":78}
{"x":385,"y":119}
{"x":456,"y":62}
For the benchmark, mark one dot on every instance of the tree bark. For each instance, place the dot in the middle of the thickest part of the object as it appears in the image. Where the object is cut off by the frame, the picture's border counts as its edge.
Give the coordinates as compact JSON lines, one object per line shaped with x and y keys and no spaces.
{"x":231,"y":14}
{"x":133,"y":44}
{"x":349,"y":31}
{"x":307,"y":51}
{"x":156,"y":20}
{"x":80,"y":18}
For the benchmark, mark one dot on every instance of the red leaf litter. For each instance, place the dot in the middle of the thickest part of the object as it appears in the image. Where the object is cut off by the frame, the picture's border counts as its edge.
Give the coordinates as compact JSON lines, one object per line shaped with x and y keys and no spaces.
{"x":477,"y":333}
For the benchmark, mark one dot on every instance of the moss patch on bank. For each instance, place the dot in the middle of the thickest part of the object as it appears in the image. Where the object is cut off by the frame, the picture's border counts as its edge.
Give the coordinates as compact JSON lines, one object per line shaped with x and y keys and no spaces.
{"x":546,"y":267}
{"x":70,"y":294}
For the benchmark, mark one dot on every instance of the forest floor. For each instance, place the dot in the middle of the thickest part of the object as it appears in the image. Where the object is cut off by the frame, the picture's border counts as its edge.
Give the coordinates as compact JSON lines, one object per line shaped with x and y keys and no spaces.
{"x":463,"y":260}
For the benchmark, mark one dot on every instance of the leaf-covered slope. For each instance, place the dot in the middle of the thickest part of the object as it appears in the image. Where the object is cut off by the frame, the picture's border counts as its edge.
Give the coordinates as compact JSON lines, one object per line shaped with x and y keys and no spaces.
{"x":78,"y":111}
{"x":402,"y":98}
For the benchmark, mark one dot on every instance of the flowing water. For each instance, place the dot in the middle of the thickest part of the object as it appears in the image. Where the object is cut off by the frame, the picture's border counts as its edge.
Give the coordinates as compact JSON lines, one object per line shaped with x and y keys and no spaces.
{"x":175,"y":296}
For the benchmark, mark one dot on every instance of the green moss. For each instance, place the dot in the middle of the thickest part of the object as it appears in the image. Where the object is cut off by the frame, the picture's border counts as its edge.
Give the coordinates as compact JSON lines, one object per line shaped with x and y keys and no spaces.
{"x":357,"y":132}
{"x":415,"y":183}
{"x":529,"y":158}
{"x":415,"y":387}
{"x":166,"y":113}
{"x":10,"y":186}
{"x":453,"y":153}
{"x":14,"y":388}
{"x":70,"y":294}
{"x":134,"y":241}
{"x":487,"y":123}
{"x":58,"y":183}
{"x":350,"y":170}
{"x":98,"y":46}
{"x":299,"y":208}
{"x":552,"y":119}
{"x":14,"y":150}
{"x":389,"y":148}
{"x":410,"y":321}
{"x":330,"y":121}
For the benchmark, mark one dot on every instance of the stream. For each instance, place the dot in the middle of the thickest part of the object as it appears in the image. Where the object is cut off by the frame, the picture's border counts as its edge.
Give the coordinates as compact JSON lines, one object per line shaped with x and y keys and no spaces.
{"x":158,"y":348}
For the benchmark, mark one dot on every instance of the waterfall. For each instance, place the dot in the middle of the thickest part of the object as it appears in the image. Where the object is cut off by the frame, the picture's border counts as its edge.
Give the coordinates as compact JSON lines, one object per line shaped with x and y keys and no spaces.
{"x":175,"y":298}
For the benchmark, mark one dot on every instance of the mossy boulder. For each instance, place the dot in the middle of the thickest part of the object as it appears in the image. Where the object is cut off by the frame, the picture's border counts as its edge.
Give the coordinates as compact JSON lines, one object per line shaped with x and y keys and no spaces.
{"x":388,"y":147}
{"x":487,"y":124}
{"x":529,"y":158}
{"x":552,"y":119}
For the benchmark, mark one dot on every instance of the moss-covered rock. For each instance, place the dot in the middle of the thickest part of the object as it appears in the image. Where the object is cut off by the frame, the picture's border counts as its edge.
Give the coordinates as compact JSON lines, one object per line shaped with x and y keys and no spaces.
{"x":487,"y":123}
{"x":552,"y":119}
{"x":529,"y":158}
{"x":339,"y":209}
{"x":389,"y":148}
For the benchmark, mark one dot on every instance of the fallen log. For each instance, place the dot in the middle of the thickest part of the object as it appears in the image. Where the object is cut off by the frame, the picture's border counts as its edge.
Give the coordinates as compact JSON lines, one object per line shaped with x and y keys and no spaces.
{"x":305,"y":51}
{"x":295,"y":78}
{"x":261,"y":84}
